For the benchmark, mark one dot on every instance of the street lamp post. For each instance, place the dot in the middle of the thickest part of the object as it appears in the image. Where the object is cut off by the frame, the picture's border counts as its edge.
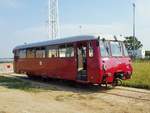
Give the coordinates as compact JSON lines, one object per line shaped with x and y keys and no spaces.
{"x":134,"y":49}
{"x":80,"y":28}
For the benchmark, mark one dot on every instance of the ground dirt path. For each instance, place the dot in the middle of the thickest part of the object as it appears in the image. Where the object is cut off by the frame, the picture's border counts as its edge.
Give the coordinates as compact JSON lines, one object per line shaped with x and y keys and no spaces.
{"x":64,"y":97}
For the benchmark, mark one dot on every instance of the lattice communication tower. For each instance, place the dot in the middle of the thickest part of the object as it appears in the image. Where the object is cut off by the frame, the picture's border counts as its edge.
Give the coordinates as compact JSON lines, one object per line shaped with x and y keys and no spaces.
{"x":53,"y":19}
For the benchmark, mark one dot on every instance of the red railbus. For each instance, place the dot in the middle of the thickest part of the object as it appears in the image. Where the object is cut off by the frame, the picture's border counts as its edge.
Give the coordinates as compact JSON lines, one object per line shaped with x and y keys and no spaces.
{"x":87,"y":59}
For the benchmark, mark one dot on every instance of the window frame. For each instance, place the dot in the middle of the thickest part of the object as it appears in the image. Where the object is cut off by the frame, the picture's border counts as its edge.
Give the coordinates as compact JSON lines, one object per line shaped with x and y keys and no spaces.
{"x":109,"y":52}
{"x":90,"y":47}
{"x":48,"y":48}
{"x":67,"y":46}
{"x":24,"y":54}
{"x":40,"y":49}
{"x":33,"y":49}
{"x":16,"y":54}
{"x":122,"y":51}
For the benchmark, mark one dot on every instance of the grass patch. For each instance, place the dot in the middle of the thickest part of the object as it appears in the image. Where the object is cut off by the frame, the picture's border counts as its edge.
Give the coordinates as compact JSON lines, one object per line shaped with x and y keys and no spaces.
{"x":8,"y":79}
{"x":16,"y":83}
{"x":140,"y":77}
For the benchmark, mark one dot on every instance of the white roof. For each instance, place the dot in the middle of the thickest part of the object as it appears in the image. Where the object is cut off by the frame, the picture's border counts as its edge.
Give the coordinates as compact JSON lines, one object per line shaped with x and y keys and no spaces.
{"x":66,"y":40}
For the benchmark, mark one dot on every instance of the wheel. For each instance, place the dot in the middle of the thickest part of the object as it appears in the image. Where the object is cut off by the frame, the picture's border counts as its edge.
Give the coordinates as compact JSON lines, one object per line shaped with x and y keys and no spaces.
{"x":117,"y":82}
{"x":31,"y":76}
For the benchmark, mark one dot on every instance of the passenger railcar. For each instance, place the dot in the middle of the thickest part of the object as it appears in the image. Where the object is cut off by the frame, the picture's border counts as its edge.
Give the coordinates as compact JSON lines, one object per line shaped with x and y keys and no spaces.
{"x":86,"y":59}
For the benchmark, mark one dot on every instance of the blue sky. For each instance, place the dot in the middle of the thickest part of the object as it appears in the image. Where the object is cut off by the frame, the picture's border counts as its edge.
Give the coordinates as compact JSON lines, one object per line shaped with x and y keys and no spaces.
{"x":26,"y":20}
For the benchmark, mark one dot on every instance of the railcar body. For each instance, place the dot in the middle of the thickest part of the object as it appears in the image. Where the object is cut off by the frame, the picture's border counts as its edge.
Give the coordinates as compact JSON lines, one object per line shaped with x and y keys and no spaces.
{"x":86,"y":59}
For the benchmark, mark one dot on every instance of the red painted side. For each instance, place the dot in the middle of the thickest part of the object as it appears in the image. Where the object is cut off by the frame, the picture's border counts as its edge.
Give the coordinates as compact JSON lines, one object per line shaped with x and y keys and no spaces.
{"x":55,"y":67}
{"x":94,"y":75}
{"x":66,"y":68}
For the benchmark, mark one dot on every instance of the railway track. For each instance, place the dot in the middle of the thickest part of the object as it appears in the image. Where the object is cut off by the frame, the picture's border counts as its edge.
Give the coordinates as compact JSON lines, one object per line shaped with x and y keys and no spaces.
{"x":125,"y":92}
{"x":126,"y":96}
{"x":131,"y":90}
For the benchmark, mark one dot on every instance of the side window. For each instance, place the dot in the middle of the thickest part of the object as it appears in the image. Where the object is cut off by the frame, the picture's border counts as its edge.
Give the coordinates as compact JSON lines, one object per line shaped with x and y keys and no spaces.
{"x":40,"y":53}
{"x":52,"y":53}
{"x":30,"y":53}
{"x":69,"y":52}
{"x":66,"y":51}
{"x":62,"y":52}
{"x":22,"y":54}
{"x":91,"y":50}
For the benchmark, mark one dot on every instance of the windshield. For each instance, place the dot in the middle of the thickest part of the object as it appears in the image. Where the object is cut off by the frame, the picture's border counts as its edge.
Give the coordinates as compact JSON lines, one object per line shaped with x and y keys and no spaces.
{"x":104,"y":48}
{"x":125,"y":51}
{"x":116,"y":48}
{"x":112,"y":48}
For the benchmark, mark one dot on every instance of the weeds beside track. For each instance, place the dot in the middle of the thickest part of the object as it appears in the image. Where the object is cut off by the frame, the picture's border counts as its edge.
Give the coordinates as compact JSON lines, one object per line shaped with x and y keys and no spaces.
{"x":141,"y":75}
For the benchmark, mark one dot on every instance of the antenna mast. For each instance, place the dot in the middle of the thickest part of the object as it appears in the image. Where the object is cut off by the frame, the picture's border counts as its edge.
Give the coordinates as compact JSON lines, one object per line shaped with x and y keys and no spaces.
{"x":53,"y":19}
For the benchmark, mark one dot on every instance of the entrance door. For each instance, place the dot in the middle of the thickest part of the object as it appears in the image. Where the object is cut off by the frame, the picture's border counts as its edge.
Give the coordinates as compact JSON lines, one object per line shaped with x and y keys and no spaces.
{"x":82,"y":62}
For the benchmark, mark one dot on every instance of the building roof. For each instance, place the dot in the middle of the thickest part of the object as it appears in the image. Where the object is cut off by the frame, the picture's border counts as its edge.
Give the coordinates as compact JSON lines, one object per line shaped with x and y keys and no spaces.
{"x":66,"y":40}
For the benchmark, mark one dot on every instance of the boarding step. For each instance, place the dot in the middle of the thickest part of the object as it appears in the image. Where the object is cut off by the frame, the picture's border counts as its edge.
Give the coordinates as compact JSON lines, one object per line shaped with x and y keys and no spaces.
{"x":82,"y":77}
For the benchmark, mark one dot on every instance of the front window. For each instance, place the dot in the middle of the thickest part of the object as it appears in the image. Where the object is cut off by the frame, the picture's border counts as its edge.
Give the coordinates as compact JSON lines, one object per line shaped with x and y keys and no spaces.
{"x":104,"y":48}
{"x":125,"y":51}
{"x":116,"y":49}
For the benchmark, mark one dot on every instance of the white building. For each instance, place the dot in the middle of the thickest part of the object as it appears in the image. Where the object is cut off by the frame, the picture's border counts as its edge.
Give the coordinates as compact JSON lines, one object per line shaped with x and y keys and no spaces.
{"x":138,"y":53}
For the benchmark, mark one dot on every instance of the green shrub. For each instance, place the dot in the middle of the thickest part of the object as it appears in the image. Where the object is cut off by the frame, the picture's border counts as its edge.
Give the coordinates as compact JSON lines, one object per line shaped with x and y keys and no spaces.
{"x":141,"y":75}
